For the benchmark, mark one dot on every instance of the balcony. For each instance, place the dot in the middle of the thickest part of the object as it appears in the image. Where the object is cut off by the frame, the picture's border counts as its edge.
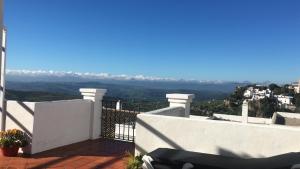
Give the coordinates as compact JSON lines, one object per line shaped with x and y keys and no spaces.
{"x":72,"y":133}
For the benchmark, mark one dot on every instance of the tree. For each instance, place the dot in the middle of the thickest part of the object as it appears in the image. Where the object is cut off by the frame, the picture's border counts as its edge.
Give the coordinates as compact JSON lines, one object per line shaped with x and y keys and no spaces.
{"x":273,"y":86}
{"x":269,"y":106}
{"x":238,"y":95}
{"x":297,"y":100}
{"x":286,"y":90}
{"x":262,"y":108}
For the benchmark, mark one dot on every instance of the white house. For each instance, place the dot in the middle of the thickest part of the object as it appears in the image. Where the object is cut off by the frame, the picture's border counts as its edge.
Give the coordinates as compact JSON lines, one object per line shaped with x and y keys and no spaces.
{"x":248,"y":93}
{"x":257,"y":94}
{"x":287,"y":100}
{"x":297,"y":87}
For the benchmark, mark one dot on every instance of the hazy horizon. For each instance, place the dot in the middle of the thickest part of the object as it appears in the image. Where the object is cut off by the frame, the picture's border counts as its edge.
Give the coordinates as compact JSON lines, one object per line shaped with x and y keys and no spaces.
{"x":42,"y":75}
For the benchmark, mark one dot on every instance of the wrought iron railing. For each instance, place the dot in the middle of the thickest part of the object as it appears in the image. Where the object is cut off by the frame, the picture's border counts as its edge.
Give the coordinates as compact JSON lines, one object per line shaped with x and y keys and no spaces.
{"x":118,"y":123}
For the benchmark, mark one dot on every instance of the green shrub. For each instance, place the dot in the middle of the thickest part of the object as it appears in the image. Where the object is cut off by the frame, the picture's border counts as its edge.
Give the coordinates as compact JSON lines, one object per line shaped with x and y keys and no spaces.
{"x":12,"y":138}
{"x":134,"y":162}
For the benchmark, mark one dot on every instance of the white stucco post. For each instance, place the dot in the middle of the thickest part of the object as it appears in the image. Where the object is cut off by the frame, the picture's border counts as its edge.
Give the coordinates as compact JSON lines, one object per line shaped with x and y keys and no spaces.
{"x":181,"y":100}
{"x":2,"y":70}
{"x":119,"y":105}
{"x":245,"y":111}
{"x":96,"y":96}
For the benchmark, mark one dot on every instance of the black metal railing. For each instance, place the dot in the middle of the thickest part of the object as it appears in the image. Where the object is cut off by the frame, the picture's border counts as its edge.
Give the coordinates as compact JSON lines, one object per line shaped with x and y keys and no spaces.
{"x":116,"y":123}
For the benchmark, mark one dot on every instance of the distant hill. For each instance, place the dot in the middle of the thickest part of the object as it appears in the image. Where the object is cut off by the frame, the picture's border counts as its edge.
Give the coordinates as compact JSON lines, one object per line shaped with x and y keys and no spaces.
{"x":119,"y":86}
{"x":36,"y":96}
{"x":115,"y":90}
{"x":134,"y":81}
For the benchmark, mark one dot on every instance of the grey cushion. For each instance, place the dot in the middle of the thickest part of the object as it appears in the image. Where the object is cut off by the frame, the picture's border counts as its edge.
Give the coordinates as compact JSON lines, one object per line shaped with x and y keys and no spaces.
{"x":177,"y":158}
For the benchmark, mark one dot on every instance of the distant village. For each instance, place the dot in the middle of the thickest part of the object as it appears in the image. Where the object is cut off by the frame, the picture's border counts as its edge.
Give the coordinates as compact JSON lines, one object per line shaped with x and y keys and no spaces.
{"x":258,"y":92}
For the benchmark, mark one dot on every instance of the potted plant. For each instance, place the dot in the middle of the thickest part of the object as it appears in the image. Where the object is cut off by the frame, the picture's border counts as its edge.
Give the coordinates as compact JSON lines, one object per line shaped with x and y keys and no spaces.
{"x":11,"y":141}
{"x":133,"y":162}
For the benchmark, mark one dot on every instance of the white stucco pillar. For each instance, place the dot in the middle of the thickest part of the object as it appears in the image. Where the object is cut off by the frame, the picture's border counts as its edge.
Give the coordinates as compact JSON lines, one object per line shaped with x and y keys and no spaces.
{"x":182,"y":100}
{"x":2,"y":70}
{"x":96,"y":96}
{"x":298,"y":91}
{"x":245,"y":111}
{"x":119,"y":105}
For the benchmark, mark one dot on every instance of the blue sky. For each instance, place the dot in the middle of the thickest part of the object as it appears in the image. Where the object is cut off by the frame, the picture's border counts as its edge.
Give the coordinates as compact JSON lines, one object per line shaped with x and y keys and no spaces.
{"x":190,"y":39}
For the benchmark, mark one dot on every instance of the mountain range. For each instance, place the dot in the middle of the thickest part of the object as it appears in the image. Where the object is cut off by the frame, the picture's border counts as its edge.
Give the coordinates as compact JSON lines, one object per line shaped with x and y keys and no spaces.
{"x":119,"y":86}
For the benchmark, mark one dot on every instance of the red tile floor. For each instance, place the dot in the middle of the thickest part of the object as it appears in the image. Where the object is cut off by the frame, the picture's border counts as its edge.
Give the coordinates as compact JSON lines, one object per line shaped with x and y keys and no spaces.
{"x":96,"y":154}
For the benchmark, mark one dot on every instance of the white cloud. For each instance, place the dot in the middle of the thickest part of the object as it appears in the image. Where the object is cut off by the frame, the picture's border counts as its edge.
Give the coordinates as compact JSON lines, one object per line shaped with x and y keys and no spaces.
{"x":86,"y":75}
{"x":93,"y":76}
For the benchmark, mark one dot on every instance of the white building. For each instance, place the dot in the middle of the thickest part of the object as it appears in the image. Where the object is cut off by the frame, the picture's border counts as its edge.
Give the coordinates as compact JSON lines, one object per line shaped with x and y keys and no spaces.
{"x":296,"y":86}
{"x":248,"y":93}
{"x":257,"y":94}
{"x":284,"y":100}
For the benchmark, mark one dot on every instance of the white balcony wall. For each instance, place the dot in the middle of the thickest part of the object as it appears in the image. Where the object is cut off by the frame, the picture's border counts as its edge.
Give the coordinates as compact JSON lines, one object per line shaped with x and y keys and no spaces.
{"x":51,"y":124}
{"x":20,"y":115}
{"x":234,"y":118}
{"x":214,"y":137}
{"x":285,"y":118}
{"x":169,"y":111}
{"x":60,"y":123}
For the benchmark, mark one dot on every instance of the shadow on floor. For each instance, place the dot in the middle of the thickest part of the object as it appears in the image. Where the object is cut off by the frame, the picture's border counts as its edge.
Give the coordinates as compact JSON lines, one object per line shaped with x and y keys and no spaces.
{"x":91,"y":154}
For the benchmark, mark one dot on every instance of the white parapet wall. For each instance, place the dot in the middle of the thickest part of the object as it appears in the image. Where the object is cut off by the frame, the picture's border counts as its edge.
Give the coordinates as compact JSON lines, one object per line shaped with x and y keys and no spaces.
{"x":169,"y":111}
{"x":20,"y":115}
{"x":181,"y":100}
{"x":214,"y":137}
{"x":60,"y":123}
{"x":51,"y":124}
{"x":285,"y":118}
{"x":234,"y":118}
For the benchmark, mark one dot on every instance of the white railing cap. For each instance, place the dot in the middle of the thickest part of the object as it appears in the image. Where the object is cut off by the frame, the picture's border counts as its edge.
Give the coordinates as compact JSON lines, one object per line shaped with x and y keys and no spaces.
{"x":92,"y":91}
{"x":180,"y":96}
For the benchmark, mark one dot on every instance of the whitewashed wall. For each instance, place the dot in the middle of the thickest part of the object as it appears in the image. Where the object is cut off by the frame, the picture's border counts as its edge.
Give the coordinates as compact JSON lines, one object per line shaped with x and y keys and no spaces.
{"x":60,"y":123}
{"x":169,"y":111}
{"x":51,"y":124}
{"x":214,"y":137}
{"x":256,"y":120}
{"x":20,"y":115}
{"x":285,"y":114}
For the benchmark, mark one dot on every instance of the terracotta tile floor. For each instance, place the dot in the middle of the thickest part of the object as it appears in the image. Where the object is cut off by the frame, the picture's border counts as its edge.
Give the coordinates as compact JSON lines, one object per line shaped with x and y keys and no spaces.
{"x":101,"y":153}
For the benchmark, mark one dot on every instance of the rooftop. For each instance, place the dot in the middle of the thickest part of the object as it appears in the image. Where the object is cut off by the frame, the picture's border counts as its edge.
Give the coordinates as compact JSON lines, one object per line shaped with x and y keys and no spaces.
{"x":70,"y":133}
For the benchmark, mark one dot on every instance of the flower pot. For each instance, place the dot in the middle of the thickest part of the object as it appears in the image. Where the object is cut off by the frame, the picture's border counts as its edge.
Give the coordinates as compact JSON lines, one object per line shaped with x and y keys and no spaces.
{"x":9,"y":151}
